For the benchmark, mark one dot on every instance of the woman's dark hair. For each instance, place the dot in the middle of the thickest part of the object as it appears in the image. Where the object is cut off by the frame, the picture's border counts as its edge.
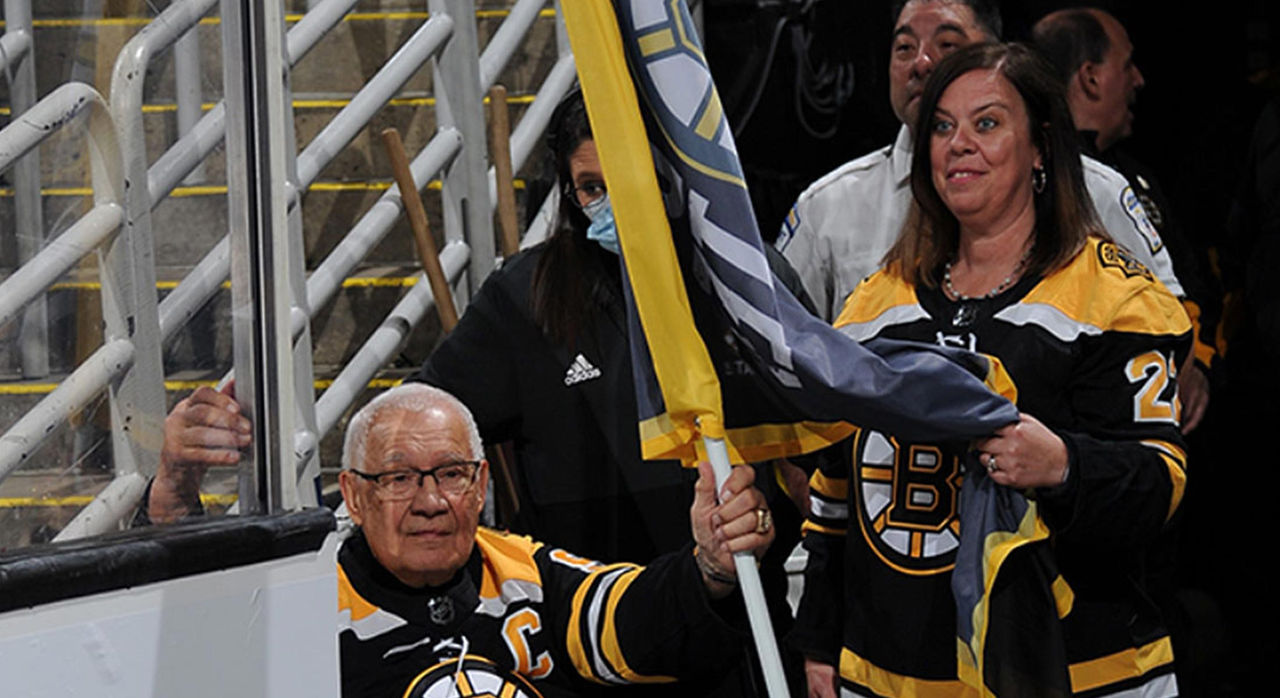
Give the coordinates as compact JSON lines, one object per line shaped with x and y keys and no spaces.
{"x":567,"y":273}
{"x":1064,"y":211}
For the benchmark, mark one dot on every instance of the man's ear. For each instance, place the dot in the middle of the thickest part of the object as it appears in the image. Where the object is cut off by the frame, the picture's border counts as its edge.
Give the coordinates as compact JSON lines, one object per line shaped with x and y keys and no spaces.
{"x":347,"y":483}
{"x":1087,"y":77}
{"x":482,"y":484}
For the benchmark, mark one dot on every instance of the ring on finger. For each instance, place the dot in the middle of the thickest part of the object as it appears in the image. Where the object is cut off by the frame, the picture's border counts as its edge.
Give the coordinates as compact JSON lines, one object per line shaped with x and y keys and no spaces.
{"x":764,"y":521}
{"x":991,"y":463}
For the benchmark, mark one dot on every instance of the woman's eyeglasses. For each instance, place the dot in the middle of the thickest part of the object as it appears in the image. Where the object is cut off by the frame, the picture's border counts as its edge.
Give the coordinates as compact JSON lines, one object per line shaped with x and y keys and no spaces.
{"x":587,"y":193}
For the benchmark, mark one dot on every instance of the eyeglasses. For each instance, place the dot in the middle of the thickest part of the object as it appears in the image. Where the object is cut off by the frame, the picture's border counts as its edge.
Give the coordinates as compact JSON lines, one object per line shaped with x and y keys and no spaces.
{"x":586,"y":193}
{"x":451,"y":479}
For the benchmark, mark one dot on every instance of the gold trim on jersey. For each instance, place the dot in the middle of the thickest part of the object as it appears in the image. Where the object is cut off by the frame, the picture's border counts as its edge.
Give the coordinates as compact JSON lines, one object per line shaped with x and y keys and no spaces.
{"x":810,"y":527}
{"x":1063,"y":597}
{"x":1175,"y":459}
{"x":1097,"y":296}
{"x":857,"y":670}
{"x":1129,"y":663}
{"x":358,"y":615}
{"x":601,"y":641}
{"x":506,"y":558}
{"x":609,"y":637}
{"x":836,"y":489}
{"x":1088,"y":296}
{"x":883,"y":299}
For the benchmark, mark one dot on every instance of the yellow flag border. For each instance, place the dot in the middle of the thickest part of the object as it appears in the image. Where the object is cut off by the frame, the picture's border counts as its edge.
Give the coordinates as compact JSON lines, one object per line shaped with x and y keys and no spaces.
{"x":690,"y":387}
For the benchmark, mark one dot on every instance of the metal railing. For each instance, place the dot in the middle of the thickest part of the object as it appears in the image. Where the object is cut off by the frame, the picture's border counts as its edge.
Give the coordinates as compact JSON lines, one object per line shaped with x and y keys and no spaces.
{"x":114,"y":363}
{"x":17,"y":60}
{"x":456,"y":154}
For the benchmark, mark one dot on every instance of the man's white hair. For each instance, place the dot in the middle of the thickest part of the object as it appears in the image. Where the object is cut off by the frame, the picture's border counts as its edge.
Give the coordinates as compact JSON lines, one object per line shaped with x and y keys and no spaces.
{"x":407,"y":397}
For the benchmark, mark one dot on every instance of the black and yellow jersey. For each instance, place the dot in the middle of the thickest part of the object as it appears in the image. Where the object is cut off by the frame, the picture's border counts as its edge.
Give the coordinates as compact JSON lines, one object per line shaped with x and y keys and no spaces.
{"x":563,"y":622}
{"x":1093,"y":351}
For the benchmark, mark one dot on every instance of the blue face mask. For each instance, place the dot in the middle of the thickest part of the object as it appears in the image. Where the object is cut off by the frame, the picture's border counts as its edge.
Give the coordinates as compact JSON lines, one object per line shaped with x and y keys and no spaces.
{"x":602,"y":229}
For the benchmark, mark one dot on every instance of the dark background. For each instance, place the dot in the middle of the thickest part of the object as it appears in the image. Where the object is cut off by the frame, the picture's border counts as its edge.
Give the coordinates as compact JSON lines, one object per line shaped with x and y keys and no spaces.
{"x":1209,"y":70}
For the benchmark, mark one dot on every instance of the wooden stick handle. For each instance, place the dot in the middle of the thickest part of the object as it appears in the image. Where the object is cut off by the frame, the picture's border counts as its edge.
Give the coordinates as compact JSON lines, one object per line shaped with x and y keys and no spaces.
{"x":500,"y":144}
{"x":427,"y":253}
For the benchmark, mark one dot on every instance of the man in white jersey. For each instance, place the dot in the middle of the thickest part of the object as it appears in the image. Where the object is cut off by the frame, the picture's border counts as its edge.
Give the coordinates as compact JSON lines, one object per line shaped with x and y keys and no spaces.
{"x":841,"y":226}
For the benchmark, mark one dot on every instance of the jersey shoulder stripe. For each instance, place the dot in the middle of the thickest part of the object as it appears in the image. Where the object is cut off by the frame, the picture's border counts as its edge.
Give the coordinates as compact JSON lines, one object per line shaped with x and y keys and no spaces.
{"x":510,"y":572}
{"x":357,"y":614}
{"x":1102,"y":289}
{"x":507,"y":557}
{"x":883,"y":299}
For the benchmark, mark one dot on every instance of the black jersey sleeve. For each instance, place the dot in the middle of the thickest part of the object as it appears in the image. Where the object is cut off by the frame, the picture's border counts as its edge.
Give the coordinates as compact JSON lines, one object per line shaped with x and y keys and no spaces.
{"x":820,"y":615}
{"x":1126,"y":455}
{"x":622,"y":624}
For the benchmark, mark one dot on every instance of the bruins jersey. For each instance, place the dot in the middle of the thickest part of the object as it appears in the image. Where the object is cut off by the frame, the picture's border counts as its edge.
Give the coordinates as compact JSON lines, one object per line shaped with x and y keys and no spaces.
{"x":561,"y":622}
{"x":1093,"y":351}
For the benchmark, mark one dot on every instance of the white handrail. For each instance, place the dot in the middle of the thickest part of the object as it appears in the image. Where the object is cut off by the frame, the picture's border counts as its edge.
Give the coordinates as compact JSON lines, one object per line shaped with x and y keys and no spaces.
{"x":40,"y":122}
{"x":127,"y":190}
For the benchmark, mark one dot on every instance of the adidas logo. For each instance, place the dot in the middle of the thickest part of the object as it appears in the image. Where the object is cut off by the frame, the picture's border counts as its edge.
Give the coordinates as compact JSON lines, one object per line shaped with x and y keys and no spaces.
{"x":580,"y":370}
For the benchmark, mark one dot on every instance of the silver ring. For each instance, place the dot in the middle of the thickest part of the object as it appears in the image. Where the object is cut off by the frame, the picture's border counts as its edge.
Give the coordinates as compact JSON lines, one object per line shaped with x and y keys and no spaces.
{"x":991,"y":463}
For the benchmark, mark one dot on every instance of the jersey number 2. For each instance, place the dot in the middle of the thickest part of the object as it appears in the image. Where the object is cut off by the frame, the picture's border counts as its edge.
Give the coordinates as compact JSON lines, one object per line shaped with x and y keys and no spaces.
{"x":1155,"y":371}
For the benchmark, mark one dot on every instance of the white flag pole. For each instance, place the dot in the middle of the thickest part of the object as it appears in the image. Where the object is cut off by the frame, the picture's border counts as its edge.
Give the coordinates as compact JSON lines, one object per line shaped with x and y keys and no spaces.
{"x":752,"y":592}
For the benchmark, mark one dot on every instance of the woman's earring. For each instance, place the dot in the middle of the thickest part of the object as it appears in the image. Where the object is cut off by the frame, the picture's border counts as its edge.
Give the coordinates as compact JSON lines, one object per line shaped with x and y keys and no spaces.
{"x":1039,"y":179}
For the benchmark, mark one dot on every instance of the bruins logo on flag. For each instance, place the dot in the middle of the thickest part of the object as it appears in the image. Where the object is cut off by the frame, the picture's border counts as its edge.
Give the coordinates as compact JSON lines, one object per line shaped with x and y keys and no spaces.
{"x":907,"y":496}
{"x":477,"y":678}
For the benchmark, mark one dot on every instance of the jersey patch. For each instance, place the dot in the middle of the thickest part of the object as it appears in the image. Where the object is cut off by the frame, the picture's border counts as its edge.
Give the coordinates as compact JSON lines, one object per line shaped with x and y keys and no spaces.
{"x":789,"y":226}
{"x":1133,"y":208}
{"x":907,"y":497}
{"x":471,"y":676}
{"x":1113,"y":256}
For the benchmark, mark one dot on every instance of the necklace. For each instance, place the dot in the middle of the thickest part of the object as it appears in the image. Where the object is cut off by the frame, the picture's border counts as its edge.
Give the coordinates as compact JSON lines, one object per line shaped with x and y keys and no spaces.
{"x":1008,"y":280}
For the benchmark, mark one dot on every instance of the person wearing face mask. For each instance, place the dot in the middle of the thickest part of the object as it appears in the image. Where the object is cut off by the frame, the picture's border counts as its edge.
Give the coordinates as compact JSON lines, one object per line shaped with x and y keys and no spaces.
{"x":542,"y":358}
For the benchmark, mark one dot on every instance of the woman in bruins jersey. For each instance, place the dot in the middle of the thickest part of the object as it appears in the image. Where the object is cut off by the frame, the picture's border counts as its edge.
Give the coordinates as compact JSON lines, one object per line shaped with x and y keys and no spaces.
{"x":1003,"y":255}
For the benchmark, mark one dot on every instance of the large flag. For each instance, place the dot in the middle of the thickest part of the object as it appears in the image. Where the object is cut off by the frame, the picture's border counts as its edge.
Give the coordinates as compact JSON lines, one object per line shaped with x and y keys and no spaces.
{"x":721,"y":349}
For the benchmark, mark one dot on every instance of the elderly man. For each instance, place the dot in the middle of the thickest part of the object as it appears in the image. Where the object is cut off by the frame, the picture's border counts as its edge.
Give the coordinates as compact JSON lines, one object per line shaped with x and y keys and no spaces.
{"x":1092,"y":54}
{"x":421,"y":584}
{"x":841,"y":226}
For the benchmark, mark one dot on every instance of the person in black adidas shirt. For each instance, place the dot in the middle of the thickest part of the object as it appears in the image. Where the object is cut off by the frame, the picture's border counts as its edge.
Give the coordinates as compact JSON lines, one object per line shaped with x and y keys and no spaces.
{"x":541,"y":357}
